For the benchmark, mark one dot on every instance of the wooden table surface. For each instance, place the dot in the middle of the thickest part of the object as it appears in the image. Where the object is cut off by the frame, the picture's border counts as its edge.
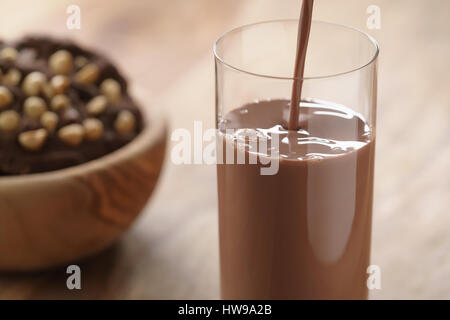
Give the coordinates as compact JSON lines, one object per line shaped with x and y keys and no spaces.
{"x":166,"y":47}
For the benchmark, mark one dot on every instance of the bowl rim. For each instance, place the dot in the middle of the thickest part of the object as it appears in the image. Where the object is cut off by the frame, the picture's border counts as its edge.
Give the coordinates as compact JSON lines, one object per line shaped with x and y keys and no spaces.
{"x":154,"y":124}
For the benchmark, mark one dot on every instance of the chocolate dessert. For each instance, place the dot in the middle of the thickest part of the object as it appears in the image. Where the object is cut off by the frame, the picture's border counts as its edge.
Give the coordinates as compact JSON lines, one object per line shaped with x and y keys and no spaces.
{"x":60,"y":105}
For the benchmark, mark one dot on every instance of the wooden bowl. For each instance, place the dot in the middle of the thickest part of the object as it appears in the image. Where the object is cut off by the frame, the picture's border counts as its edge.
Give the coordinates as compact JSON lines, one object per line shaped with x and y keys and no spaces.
{"x":56,"y":218}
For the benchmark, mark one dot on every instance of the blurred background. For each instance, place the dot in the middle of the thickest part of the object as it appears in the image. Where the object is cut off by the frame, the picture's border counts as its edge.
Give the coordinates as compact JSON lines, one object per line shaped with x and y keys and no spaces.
{"x":165,"y":48}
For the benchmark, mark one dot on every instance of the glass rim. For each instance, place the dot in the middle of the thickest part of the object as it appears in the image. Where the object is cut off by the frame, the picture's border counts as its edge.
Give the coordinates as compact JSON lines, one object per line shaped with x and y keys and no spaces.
{"x":242,"y":27}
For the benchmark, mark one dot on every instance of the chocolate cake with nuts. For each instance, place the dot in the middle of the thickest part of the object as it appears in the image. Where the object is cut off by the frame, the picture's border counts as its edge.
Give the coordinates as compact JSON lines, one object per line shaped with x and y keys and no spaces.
{"x":60,"y":105}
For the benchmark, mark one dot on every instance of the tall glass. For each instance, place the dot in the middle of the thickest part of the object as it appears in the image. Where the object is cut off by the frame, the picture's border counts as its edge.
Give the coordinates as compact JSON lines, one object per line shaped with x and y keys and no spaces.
{"x":304,"y":232}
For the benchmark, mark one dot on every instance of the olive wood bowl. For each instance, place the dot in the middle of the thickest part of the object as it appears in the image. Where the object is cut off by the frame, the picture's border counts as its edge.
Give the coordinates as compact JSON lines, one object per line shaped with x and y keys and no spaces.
{"x":56,"y":218}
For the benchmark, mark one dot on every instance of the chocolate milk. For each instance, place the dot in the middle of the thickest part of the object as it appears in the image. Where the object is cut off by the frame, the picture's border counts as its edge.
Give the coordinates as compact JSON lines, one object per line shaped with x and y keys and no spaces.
{"x":304,"y":28}
{"x":303,"y":233}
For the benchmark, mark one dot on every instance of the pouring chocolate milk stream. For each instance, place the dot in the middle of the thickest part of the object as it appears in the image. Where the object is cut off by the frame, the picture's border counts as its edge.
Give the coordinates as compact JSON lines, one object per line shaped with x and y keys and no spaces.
{"x":304,"y":27}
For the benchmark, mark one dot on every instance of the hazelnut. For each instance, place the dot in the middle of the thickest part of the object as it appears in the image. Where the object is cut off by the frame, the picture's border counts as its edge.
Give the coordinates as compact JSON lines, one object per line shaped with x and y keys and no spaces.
{"x":80,"y":61}
{"x":33,"y":83}
{"x":9,"y":120}
{"x":71,"y":134}
{"x":61,"y":62}
{"x":9,"y":54}
{"x":125,"y":122}
{"x":59,"y":83}
{"x":34,"y":107}
{"x":49,"y":120}
{"x":33,"y":140}
{"x":48,"y":91}
{"x":60,"y":101}
{"x":93,"y":129}
{"x":12,"y":77}
{"x":110,"y":88}
{"x":97,"y":105}
{"x":6,"y":97}
{"x":88,"y":74}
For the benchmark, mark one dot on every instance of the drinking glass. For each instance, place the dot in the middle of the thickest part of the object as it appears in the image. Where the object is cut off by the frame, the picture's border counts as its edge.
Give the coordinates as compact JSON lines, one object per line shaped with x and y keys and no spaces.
{"x":305,"y":232}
